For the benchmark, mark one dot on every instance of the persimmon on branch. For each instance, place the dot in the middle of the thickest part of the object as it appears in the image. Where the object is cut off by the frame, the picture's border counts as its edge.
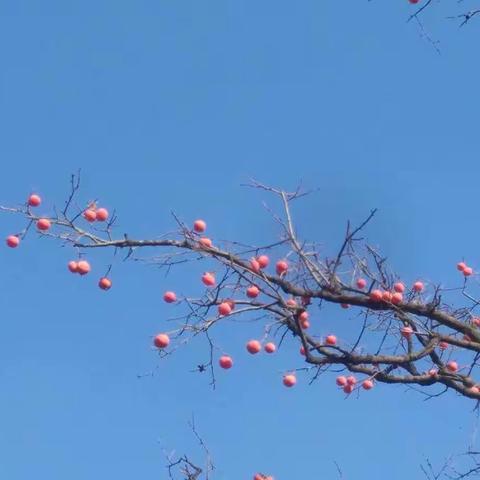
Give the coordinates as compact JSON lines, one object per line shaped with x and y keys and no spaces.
{"x":404,"y":335}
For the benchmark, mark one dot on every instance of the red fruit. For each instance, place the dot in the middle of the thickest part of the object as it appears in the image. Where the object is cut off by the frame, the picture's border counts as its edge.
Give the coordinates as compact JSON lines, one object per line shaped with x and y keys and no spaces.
{"x":386,"y":296}
{"x":102,"y":214}
{"x":345,"y":305}
{"x":83,"y":267}
{"x":225,"y":362}
{"x":224,"y":309}
{"x":13,"y":241}
{"x":231,"y":303}
{"x":476,"y":321}
{"x":73,"y":266}
{"x":376,"y":295}
{"x":263,"y":261}
{"x":452,"y":366}
{"x":34,"y":200}
{"x":205,"y":242}
{"x":289,"y":380}
{"x":305,"y":324}
{"x":90,"y":215}
{"x":418,"y":287}
{"x":443,"y":345}
{"x":432,"y":372}
{"x":43,"y":224}
{"x":208,"y":279}
{"x":331,"y":340}
{"x":302,"y":350}
{"x":341,"y":381}
{"x":303,"y":317}
{"x":361,"y":283}
{"x":199,"y":226}
{"x":105,"y":283}
{"x":474,"y":389}
{"x":351,"y":380}
{"x":461,"y":266}
{"x":467,"y":271}
{"x":348,"y":389}
{"x":281,"y":267}
{"x":162,"y":340}
{"x":406,"y":332}
{"x":397,"y":298}
{"x":367,"y":384}
{"x":291,"y":302}
{"x":253,"y":291}
{"x":169,"y":297}
{"x":399,"y":287}
{"x":270,"y":347}
{"x":253,"y":346}
{"x":254,"y":265}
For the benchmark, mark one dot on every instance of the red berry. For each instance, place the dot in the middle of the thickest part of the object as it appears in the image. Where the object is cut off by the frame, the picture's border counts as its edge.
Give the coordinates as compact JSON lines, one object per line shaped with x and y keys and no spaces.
{"x":253,"y":291}
{"x":443,"y":345}
{"x":34,"y":200}
{"x":418,"y":287}
{"x":73,"y":266}
{"x":361,"y":283}
{"x":253,"y":346}
{"x":406,"y":332}
{"x":205,"y":242}
{"x":43,"y":224}
{"x":13,"y":241}
{"x":281,"y":267}
{"x":291,"y":302}
{"x":263,"y":261}
{"x":83,"y":267}
{"x":461,"y":266}
{"x":254,"y":265}
{"x":376,"y":295}
{"x":397,"y":298}
{"x":270,"y":347}
{"x":387,"y":297}
{"x":348,"y":389}
{"x":452,"y":366}
{"x":162,"y":340}
{"x":224,"y":309}
{"x":351,"y":380}
{"x":367,"y":384}
{"x":105,"y":283}
{"x":90,"y":215}
{"x":305,"y":324}
{"x":303,"y":317}
{"x":399,"y":287}
{"x":467,"y":271}
{"x":289,"y":380}
{"x":331,"y":340}
{"x":225,"y":362}
{"x":170,"y":297}
{"x":341,"y":381}
{"x":102,"y":214}
{"x":208,"y":279}
{"x":199,"y":226}
{"x":476,"y":321}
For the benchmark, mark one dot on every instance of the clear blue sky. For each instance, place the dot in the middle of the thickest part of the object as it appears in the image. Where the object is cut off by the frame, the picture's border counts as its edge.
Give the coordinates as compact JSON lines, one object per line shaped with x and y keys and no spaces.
{"x":172,"y":105}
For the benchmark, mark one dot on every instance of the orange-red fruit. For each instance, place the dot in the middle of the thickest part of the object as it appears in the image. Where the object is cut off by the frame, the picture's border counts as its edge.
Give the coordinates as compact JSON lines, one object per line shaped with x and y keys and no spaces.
{"x":289,"y":380}
{"x":205,"y":242}
{"x":83,"y":267}
{"x":351,"y":380}
{"x":34,"y":200}
{"x":386,"y":296}
{"x":367,"y":384}
{"x":305,"y":324}
{"x":397,"y":298}
{"x":406,"y":332}
{"x":162,"y":340}
{"x":303,"y":316}
{"x":474,"y":389}
{"x":199,"y":226}
{"x":224,"y":309}
{"x":361,"y":283}
{"x":43,"y":224}
{"x":169,"y":297}
{"x":418,"y":287}
{"x":105,"y":283}
{"x":476,"y":321}
{"x":461,"y":266}
{"x":208,"y":279}
{"x":253,"y":346}
{"x":291,"y":302}
{"x":467,"y":271}
{"x":331,"y":340}
{"x":254,"y":265}
{"x":90,"y":215}
{"x":376,"y":295}
{"x":270,"y":347}
{"x":263,"y":261}
{"x":13,"y":241}
{"x":432,"y":372}
{"x":252,"y":291}
{"x":73,"y":266}
{"x":281,"y":267}
{"x":341,"y":381}
{"x":399,"y":287}
{"x":102,"y":214}
{"x":231,"y":303}
{"x":348,"y":388}
{"x":452,"y":366}
{"x":225,"y":362}
{"x":443,"y":345}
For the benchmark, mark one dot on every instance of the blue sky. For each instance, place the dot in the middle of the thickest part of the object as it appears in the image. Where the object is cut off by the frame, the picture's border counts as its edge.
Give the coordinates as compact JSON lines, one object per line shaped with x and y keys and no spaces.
{"x":172,"y":105}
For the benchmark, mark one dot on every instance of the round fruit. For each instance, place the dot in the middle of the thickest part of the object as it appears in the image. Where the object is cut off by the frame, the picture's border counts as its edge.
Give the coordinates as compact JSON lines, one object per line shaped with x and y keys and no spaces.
{"x":253,"y":291}
{"x":443,"y":345}
{"x":418,"y":287}
{"x":162,"y":340}
{"x":43,"y":224}
{"x":341,"y":381}
{"x":105,"y":283}
{"x":270,"y":347}
{"x":348,"y":388}
{"x":102,"y":214}
{"x":208,"y":279}
{"x":467,"y":271}
{"x":452,"y":366}
{"x":397,"y":298}
{"x":289,"y":380}
{"x":205,"y":242}
{"x":83,"y":267}
{"x":305,"y":324}
{"x":303,"y":317}
{"x":254,"y":265}
{"x":351,"y":380}
{"x":253,"y":346}
{"x":291,"y":303}
{"x":13,"y":241}
{"x":376,"y":295}
{"x":170,"y":297}
{"x":90,"y":215}
{"x":399,"y":287}
{"x":225,"y":362}
{"x":331,"y":340}
{"x":224,"y":309}
{"x":361,"y":283}
{"x":73,"y":266}
{"x":263,"y":261}
{"x":386,"y":296}
{"x":461,"y":266}
{"x":34,"y":200}
{"x":281,"y":267}
{"x":406,"y":332}
{"x":367,"y":384}
{"x":199,"y":226}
